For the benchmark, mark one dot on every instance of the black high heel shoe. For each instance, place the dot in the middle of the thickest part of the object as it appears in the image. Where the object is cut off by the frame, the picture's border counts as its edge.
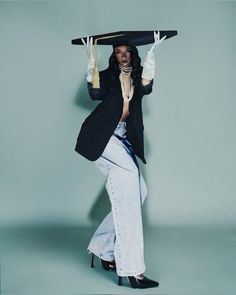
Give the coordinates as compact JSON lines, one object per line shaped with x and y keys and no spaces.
{"x":139,"y":283}
{"x":107,"y":265}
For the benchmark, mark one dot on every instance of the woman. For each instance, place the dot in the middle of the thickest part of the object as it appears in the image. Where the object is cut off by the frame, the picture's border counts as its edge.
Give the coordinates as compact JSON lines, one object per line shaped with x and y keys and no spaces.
{"x":112,"y":137}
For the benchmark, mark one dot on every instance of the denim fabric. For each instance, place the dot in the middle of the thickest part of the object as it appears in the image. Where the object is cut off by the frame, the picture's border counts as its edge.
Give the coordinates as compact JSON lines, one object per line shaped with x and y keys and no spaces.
{"x":120,"y":234}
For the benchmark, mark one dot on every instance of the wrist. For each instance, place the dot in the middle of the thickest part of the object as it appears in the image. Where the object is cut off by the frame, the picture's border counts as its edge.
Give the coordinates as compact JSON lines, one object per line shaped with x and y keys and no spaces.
{"x":96,"y":78}
{"x":148,"y":72}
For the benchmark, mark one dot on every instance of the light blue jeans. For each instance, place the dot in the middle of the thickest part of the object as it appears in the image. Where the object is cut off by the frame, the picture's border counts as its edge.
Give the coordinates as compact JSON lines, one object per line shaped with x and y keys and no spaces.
{"x":119,"y":237}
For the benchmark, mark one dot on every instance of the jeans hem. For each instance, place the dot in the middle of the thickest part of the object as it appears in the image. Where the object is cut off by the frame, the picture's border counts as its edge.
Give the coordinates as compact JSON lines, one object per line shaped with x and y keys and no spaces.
{"x":90,"y":250}
{"x":130,"y":273}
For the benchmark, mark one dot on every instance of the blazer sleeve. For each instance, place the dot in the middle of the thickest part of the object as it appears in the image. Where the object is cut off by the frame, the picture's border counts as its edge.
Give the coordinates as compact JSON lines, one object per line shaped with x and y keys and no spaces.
{"x":147,"y":89}
{"x":98,"y":93}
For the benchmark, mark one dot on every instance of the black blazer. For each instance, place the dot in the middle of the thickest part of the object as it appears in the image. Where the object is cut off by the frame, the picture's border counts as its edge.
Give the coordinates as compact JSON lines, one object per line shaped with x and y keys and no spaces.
{"x":99,"y":126}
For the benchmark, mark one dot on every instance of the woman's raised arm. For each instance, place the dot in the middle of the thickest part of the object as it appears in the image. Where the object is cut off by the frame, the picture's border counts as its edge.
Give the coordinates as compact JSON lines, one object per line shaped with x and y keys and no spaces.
{"x":149,"y":63}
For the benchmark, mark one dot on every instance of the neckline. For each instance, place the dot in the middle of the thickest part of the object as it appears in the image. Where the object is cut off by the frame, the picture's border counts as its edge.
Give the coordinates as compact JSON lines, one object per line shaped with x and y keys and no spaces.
{"x":125,"y":70}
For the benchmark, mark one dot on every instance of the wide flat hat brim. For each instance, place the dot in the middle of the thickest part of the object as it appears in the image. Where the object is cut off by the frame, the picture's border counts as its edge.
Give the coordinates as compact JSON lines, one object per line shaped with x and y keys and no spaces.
{"x":131,"y":38}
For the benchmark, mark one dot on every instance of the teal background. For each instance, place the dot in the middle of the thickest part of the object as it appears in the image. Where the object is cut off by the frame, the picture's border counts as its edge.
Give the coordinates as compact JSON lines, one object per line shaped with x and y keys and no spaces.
{"x":51,"y":199}
{"x":189,"y":118}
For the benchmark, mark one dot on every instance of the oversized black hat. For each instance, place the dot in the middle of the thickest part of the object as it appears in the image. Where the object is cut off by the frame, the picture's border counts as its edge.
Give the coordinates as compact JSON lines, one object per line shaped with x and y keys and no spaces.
{"x":131,"y":38}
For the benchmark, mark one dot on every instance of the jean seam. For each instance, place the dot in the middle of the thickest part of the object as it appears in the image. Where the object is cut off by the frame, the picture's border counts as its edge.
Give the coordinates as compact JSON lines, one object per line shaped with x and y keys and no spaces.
{"x":118,"y":234}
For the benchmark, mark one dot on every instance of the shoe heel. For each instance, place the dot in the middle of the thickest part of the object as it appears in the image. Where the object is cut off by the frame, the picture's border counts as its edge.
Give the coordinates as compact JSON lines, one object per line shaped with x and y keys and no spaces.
{"x":92,"y":261}
{"x":120,"y":282}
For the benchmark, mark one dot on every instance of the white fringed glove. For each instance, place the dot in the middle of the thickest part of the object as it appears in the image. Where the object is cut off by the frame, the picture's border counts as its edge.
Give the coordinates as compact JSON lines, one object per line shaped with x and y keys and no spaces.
{"x":91,"y":58}
{"x":149,"y":63}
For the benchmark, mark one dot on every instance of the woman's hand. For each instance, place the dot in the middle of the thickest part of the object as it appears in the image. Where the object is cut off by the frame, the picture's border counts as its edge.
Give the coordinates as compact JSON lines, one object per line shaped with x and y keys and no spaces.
{"x":157,"y":42}
{"x":149,"y":63}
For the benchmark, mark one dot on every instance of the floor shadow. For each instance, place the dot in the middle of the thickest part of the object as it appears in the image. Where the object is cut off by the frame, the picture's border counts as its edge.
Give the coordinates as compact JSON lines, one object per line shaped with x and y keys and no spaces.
{"x":69,"y":242}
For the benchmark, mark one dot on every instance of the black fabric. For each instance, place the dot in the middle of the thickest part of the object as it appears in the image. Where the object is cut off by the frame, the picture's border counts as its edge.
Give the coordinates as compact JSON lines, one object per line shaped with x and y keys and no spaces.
{"x":131,"y":38}
{"x":99,"y":126}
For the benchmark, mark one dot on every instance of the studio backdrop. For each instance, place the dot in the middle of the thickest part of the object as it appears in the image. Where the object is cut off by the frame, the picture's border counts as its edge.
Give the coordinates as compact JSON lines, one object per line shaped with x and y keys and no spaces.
{"x":189,"y":118}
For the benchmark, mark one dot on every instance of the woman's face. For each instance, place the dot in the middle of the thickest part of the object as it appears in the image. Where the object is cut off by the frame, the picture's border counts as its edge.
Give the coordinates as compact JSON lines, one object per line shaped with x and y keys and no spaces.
{"x":123,"y":55}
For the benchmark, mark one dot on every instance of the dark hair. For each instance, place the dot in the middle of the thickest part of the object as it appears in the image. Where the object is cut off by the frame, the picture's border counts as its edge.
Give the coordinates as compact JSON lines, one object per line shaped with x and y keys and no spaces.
{"x":135,"y":63}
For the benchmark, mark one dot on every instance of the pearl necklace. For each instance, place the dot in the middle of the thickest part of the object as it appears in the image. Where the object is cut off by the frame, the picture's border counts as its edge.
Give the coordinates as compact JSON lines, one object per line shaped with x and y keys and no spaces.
{"x":126,"y":72}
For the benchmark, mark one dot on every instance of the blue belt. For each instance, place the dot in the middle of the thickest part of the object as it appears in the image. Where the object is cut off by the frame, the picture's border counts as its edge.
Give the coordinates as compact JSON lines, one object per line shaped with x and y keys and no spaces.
{"x":129,"y":149}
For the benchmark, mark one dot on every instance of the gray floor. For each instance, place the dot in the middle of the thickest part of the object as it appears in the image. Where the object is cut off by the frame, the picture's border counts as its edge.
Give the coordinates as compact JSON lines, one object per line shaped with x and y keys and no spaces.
{"x":53,"y":260}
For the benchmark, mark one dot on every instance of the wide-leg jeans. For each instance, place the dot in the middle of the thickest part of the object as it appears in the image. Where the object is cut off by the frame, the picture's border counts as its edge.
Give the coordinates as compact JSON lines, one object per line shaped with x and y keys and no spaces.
{"x":119,"y":237}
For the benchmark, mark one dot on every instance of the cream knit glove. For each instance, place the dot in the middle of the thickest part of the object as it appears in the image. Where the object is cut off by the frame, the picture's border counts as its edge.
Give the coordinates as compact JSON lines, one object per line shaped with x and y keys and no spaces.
{"x":149,"y":63}
{"x":91,"y":69}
